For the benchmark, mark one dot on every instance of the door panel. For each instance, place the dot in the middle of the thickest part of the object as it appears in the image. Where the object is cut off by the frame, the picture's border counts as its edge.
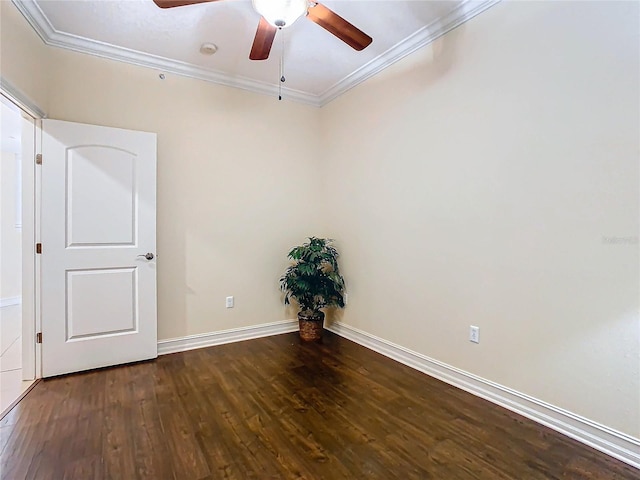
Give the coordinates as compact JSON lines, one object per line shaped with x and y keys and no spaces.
{"x":112,"y":312}
{"x":90,"y":220}
{"x":98,"y":221}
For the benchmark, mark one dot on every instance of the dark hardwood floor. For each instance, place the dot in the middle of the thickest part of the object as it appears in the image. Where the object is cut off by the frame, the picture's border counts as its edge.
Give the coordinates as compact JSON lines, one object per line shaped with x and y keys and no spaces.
{"x":272,"y":408}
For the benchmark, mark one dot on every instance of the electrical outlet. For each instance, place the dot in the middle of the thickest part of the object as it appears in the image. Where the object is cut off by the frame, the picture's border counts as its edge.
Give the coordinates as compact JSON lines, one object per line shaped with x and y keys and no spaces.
{"x":229,"y":302}
{"x":346,"y":298}
{"x":474,"y":334}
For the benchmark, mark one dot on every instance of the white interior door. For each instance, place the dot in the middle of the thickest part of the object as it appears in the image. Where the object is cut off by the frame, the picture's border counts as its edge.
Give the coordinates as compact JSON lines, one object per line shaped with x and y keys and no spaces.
{"x":98,"y":296}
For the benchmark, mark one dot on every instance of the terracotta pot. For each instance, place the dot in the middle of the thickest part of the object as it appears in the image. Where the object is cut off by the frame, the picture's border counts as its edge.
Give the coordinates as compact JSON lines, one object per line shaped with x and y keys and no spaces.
{"x":311,"y":326}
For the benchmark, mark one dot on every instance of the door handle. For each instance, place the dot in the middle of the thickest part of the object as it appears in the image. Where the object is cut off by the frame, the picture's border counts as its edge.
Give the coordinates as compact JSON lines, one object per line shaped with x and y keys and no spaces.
{"x":148,"y":256}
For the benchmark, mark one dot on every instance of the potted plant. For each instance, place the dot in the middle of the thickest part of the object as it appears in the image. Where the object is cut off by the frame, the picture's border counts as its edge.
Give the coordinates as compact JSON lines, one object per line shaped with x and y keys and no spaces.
{"x":314,"y":281}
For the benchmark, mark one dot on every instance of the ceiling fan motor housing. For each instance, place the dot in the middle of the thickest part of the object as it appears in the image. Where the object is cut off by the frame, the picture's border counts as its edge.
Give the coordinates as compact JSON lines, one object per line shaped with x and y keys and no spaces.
{"x":281,"y":13}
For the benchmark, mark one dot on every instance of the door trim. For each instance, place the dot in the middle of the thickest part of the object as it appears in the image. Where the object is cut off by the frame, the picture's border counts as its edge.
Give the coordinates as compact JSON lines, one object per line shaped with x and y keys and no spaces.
{"x":30,"y":266}
{"x":31,"y":363}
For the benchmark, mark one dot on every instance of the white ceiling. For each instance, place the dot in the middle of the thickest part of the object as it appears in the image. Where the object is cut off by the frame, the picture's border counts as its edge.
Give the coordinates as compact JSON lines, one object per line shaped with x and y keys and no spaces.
{"x":318,"y":66}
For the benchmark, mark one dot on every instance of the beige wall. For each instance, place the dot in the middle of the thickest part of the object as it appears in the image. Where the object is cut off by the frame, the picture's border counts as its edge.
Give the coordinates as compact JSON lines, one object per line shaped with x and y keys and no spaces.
{"x":23,"y":56}
{"x":476,"y":188}
{"x":10,"y":235}
{"x":236,"y":178}
{"x":236,"y":184}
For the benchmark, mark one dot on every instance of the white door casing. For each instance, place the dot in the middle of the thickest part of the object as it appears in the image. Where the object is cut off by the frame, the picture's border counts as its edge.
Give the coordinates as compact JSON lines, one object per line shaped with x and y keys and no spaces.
{"x":98,"y":291}
{"x":28,"y":216}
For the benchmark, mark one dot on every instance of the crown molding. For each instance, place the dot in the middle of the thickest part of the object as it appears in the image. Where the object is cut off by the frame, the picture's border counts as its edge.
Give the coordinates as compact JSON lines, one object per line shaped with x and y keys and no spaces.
{"x":463,"y":13}
{"x":52,"y":37}
{"x":23,"y":101}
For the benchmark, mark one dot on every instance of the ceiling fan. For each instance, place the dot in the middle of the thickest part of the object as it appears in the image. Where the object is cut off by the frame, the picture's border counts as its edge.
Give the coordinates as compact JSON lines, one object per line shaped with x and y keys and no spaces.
{"x":278,"y":14}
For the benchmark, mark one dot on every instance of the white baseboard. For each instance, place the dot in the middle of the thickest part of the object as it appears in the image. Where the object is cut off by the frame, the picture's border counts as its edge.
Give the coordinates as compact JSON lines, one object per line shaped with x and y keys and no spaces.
{"x":9,"y":301}
{"x":609,"y":441}
{"x":202,"y":340}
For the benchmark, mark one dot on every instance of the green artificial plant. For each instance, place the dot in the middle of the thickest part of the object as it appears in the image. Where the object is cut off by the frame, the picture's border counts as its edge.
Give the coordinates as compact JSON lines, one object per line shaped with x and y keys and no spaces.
{"x":314,"y":279}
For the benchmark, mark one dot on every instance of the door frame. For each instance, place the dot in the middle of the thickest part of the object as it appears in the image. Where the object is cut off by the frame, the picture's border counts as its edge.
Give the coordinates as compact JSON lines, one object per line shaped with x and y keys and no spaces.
{"x":31,"y":352}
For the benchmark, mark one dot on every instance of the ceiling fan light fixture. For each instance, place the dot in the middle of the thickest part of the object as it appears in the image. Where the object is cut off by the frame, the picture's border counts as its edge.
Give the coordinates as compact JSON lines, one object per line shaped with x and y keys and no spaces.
{"x":280,"y":13}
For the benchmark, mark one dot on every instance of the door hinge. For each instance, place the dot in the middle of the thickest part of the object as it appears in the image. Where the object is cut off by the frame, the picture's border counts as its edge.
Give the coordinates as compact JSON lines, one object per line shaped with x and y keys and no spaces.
{"x":39,"y":337}
{"x":38,"y":248}
{"x":39,"y":159}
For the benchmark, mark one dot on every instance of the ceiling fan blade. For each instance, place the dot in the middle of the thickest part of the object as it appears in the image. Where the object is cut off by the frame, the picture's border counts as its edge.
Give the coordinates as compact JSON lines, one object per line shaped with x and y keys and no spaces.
{"x":178,"y":3}
{"x":263,"y":40}
{"x":334,"y":23}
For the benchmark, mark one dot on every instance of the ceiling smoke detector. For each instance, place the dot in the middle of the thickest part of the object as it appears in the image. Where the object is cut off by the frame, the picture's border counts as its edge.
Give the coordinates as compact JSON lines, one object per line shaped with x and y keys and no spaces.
{"x":208,"y":48}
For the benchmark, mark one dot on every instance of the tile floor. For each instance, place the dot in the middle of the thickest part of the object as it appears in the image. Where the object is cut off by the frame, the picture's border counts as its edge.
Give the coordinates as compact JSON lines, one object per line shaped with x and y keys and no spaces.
{"x":11,"y":384}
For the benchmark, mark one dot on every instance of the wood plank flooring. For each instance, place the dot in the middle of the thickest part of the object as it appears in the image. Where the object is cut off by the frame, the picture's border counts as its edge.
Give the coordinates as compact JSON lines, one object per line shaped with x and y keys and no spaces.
{"x":273,"y":408}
